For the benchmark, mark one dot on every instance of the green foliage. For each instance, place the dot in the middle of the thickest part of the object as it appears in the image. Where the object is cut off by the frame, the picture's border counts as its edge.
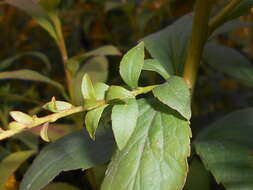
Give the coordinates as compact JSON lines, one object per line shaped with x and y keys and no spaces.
{"x":175,"y":94}
{"x":226,"y":149}
{"x":154,"y":65}
{"x":74,"y":151}
{"x":131,"y":65}
{"x":155,"y":156}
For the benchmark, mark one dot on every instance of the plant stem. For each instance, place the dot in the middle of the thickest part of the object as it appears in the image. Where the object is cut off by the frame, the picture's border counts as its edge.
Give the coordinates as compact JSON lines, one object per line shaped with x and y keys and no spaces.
{"x":197,"y":41}
{"x":220,"y":18}
{"x":50,"y":118}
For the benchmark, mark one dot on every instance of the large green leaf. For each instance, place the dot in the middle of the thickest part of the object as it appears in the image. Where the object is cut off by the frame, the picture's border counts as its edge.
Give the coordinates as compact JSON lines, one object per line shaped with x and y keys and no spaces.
{"x":74,"y":151}
{"x":169,"y":45}
{"x":226,"y":149}
{"x":124,"y":119}
{"x":230,"y":62}
{"x":131,"y":65}
{"x":175,"y":94}
{"x":11,"y":163}
{"x":155,"y":157}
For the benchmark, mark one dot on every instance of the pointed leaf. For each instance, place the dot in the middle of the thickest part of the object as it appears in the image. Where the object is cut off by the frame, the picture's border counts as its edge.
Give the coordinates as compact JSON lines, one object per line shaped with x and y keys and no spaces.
{"x":230,"y":62}
{"x":154,"y":65}
{"x":21,"y":117}
{"x":131,"y":65}
{"x":118,"y":92}
{"x":11,"y":163}
{"x":92,"y":120}
{"x":87,"y":88}
{"x":226,"y":147}
{"x":44,"y":132}
{"x":155,"y":157}
{"x":124,"y":119}
{"x":74,"y":151}
{"x":175,"y":94}
{"x":57,"y":106}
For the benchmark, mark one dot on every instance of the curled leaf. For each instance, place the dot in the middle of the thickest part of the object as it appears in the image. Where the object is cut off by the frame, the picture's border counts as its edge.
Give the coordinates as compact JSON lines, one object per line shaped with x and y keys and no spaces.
{"x":57,"y":106}
{"x":44,"y":132}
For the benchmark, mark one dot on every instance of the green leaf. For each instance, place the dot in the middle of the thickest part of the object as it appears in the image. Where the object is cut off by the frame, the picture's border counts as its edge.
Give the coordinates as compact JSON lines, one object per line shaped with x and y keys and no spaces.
{"x":57,"y":106}
{"x":100,"y":90}
{"x":124,"y":119}
{"x":96,"y":68}
{"x":131,"y":65}
{"x":60,"y":186}
{"x":155,"y":157}
{"x":88,"y":91}
{"x":154,"y":65}
{"x":21,"y":117}
{"x":74,"y":151}
{"x":226,"y":147}
{"x":117,"y":93}
{"x":11,"y":163}
{"x":229,"y":61}
{"x":92,"y":120}
{"x":26,"y":74}
{"x":168,"y":46}
{"x":198,"y":177}
{"x":8,"y":62}
{"x":175,"y":94}
{"x":34,"y":9}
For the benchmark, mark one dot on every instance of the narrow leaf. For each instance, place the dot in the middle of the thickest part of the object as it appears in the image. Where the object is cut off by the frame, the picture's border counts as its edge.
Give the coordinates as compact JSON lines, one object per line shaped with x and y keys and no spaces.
{"x":44,"y":132}
{"x":21,"y":117}
{"x":11,"y":163}
{"x":226,"y":147}
{"x":57,"y":106}
{"x":175,"y":94}
{"x":124,"y":119}
{"x":30,"y":75}
{"x":154,"y":65}
{"x":92,"y":120}
{"x":103,"y":51}
{"x":155,"y":157}
{"x":131,"y":65}
{"x":74,"y":151}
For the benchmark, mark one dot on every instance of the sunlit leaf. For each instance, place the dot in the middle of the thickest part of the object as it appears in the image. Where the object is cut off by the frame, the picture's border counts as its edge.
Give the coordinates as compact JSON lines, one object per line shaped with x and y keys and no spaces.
{"x":118,"y":92}
{"x":87,"y":88}
{"x":131,"y":65}
{"x":21,"y":117}
{"x":44,"y":132}
{"x":175,"y":94}
{"x":100,"y":90}
{"x":155,"y":157}
{"x":57,"y":106}
{"x":124,"y":119}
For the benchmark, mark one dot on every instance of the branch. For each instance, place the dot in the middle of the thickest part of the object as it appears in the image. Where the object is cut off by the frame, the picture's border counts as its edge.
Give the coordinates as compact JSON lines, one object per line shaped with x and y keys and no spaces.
{"x":220,"y":18}
{"x":197,"y":41}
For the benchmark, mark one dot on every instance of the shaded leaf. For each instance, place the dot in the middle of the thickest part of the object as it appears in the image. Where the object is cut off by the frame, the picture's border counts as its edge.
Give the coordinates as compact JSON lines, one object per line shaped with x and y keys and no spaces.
{"x":74,"y":151}
{"x":175,"y":94}
{"x":92,"y":120}
{"x":26,"y":74}
{"x":60,"y":186}
{"x":198,"y":177}
{"x":124,"y":119}
{"x":11,"y":163}
{"x":131,"y":65}
{"x":103,"y":51}
{"x":226,"y":147}
{"x":242,"y":9}
{"x":155,"y":157}
{"x":154,"y":65}
{"x":168,"y":45}
{"x":230,"y":62}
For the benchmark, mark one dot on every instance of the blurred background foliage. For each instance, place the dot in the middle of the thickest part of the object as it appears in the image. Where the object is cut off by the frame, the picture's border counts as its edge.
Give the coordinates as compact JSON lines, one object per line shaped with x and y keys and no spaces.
{"x":88,"y":25}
